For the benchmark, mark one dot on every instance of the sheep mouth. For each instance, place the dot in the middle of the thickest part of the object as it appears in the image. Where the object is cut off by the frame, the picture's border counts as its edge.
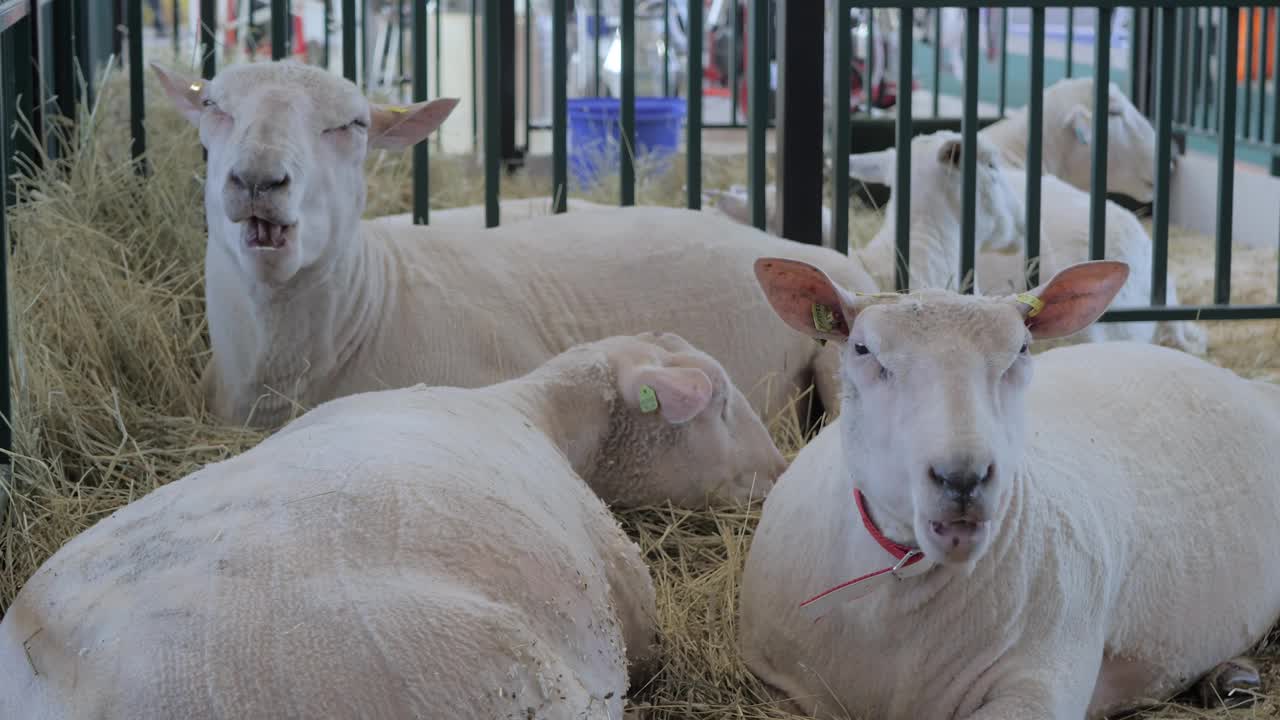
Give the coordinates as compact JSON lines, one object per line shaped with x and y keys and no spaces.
{"x":958,"y":532}
{"x":262,"y":234}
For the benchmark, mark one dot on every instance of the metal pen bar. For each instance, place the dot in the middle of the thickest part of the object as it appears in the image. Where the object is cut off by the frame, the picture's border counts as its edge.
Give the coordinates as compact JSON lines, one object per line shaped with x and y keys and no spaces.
{"x":349,"y":39}
{"x":475,"y":78}
{"x":969,"y":151}
{"x":1226,"y":164}
{"x":400,"y":47}
{"x":1205,"y":74}
{"x":528,"y":72}
{"x":1035,"y":138}
{"x":559,"y":108}
{"x":1262,"y":75}
{"x":1181,"y":62}
{"x":1197,"y":68}
{"x":175,"y":11}
{"x":842,"y":53}
{"x":736,"y":51}
{"x":279,"y":29}
{"x":26,"y":87}
{"x":1165,"y":70}
{"x":439,"y":45}
{"x":693,"y":129}
{"x":1004,"y":58}
{"x":937,"y":57}
{"x":628,"y":171}
{"x":492,"y":110}
{"x":1071,"y":40}
{"x":6,"y":392}
{"x":868,"y":82}
{"x":328,"y":31}
{"x":1135,"y":56}
{"x":1248,"y":72}
{"x":902,"y":183}
{"x":421,"y":160}
{"x":1098,"y":170}
{"x":758,"y":105}
{"x":137,"y":102}
{"x":208,"y":24}
{"x":666,"y":48}
{"x":1193,"y":312}
{"x":1275,"y":111}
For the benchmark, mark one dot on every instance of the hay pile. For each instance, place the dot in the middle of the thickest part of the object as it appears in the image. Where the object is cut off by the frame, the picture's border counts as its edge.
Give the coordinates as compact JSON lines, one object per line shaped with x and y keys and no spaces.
{"x":106,"y":287}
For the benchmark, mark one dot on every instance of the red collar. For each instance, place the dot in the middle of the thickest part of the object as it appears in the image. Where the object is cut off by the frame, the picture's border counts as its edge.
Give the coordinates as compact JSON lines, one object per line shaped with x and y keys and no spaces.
{"x":909,"y":561}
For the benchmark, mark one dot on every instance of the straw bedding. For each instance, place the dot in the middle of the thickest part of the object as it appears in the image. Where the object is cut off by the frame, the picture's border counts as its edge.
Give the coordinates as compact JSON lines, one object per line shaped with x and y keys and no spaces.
{"x":108,"y":319}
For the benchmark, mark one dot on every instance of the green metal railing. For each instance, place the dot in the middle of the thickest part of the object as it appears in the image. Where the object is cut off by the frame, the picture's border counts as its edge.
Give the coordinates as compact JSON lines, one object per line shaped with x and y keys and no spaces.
{"x":1183,"y":42}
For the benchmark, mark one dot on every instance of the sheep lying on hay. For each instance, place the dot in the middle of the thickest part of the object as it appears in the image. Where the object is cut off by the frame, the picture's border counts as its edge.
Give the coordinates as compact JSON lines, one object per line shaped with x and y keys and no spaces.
{"x":109,"y":342}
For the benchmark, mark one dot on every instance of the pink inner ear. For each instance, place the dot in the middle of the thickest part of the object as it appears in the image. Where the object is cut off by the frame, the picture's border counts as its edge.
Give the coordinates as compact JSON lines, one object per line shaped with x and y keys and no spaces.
{"x":793,"y":287}
{"x":1076,"y":297}
{"x":396,"y":130}
{"x":683,"y":392}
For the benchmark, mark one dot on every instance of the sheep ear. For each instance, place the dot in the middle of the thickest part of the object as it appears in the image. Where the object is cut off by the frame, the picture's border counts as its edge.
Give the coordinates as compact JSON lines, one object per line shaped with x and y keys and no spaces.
{"x":679,"y":394}
{"x":806,"y":298}
{"x":951,"y":152}
{"x":184,"y":92}
{"x":734,"y":204}
{"x":872,"y":167}
{"x":393,"y":127}
{"x":1079,"y":122}
{"x":1072,"y":299}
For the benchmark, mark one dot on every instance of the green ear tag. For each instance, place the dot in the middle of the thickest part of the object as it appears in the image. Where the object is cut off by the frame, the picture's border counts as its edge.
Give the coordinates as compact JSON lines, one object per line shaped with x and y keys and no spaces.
{"x":648,"y":399}
{"x":823,"y":319}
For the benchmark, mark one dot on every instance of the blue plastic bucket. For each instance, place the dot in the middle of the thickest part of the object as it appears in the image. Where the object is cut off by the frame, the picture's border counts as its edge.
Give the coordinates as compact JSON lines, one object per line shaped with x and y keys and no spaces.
{"x":595,"y":132}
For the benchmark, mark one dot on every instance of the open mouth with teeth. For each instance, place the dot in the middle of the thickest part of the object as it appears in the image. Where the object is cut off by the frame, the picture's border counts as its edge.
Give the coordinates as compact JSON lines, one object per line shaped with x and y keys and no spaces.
{"x":266,"y":235}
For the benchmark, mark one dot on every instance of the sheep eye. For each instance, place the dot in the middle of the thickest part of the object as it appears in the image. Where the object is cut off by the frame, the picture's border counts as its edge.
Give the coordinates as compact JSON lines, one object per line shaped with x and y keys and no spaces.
{"x":860,"y":349}
{"x":354,"y":123}
{"x":207,"y":102}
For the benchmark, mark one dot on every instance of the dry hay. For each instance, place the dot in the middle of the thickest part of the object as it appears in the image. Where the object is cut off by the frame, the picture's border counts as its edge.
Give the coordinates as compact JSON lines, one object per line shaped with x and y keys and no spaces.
{"x":106,"y":286}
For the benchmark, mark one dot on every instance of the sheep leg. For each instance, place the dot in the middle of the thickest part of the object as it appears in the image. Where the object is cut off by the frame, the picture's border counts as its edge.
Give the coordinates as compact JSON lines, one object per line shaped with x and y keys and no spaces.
{"x":1232,"y":684}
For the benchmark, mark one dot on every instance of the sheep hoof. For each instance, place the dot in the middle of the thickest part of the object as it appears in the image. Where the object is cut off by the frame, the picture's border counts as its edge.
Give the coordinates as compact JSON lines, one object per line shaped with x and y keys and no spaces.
{"x":1232,"y":684}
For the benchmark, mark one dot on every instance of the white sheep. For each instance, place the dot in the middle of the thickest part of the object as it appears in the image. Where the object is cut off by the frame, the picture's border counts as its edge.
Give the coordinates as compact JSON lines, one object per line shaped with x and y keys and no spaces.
{"x":936,"y":181}
{"x":306,"y":303}
{"x":1067,"y":139}
{"x":511,"y":210}
{"x":1001,"y":267}
{"x":397,"y":554}
{"x":1063,"y":545}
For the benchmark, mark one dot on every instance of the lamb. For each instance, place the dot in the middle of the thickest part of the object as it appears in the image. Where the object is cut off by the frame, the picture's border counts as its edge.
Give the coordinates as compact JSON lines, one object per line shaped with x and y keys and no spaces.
{"x":306,"y":303}
{"x":392,"y":554}
{"x":1036,"y":527}
{"x":1067,"y":135}
{"x":1064,"y":232}
{"x":935,"y":210}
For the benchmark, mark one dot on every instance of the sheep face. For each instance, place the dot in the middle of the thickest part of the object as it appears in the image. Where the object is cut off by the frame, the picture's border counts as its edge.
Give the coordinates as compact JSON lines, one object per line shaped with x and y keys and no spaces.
{"x":680,"y":430}
{"x":1131,"y":145}
{"x":934,"y":415}
{"x":287,"y":142}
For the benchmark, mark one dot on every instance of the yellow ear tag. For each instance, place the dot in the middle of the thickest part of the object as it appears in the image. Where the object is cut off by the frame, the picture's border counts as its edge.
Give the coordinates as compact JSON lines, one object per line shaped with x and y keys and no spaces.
{"x":1036,"y":303}
{"x":823,"y":318}
{"x":195,"y":87}
{"x":648,"y":399}
{"x":397,"y":109}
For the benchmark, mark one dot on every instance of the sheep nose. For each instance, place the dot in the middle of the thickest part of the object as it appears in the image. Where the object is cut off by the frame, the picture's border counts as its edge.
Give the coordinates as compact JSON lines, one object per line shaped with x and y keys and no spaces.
{"x":960,"y":483}
{"x":258,"y":182}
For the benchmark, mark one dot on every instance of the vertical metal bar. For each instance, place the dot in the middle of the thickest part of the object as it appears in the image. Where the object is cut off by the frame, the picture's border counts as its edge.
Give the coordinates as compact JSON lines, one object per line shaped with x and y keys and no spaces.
{"x":1226,"y":66}
{"x":439,"y":46}
{"x":528,"y":72}
{"x":421,"y":160}
{"x":1071,"y":40}
{"x":492,"y":110}
{"x":758,"y":105}
{"x":798,"y":133}
{"x":1197,"y":68}
{"x":1165,"y":70}
{"x":279,"y":29}
{"x":840,"y":126}
{"x":137,"y":104}
{"x":596,"y":25}
{"x":1226,"y":162}
{"x":6,"y":407}
{"x":1035,"y":138}
{"x":902,"y":183}
{"x":693,"y":128}
{"x":475,"y":79}
{"x":1183,"y":64}
{"x":969,"y":154}
{"x":1262,"y":75}
{"x":1101,"y":100}
{"x":666,"y":48}
{"x":734,"y":78}
{"x":1135,"y":58}
{"x":559,"y":108}
{"x":25,"y":86}
{"x":208,"y":25}
{"x":328,"y":31}
{"x":349,"y":39}
{"x":628,"y":170}
{"x":400,"y":47}
{"x":64,"y":57}
{"x":1004,"y":58}
{"x":937,"y":57}
{"x":176,"y":12}
{"x":1248,"y":73}
{"x":506,"y":93}
{"x":1204,"y":62}
{"x":1275,"y":110}
{"x":869,"y":81}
